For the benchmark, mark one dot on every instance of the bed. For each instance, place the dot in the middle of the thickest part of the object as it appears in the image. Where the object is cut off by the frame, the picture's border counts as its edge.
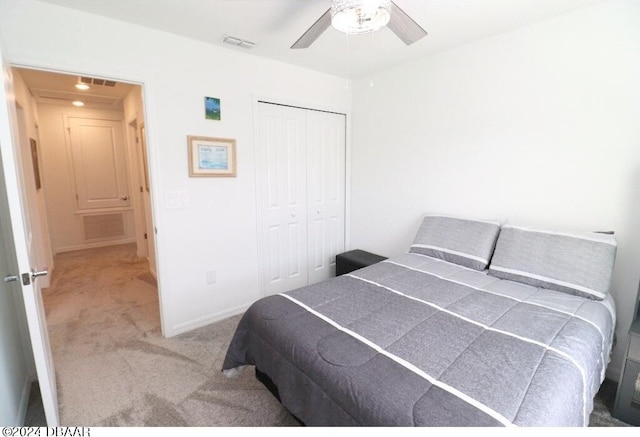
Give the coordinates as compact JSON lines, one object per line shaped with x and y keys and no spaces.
{"x":478,"y":324}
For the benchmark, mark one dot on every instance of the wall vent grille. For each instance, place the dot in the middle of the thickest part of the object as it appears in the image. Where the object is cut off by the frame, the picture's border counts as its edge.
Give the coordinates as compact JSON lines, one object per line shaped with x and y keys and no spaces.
{"x":99,"y":82}
{"x":103,"y":226}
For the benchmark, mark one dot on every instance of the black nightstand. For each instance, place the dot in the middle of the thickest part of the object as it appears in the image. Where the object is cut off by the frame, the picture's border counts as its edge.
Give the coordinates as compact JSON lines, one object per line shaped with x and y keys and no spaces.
{"x":627,"y":406}
{"x":355,"y":259}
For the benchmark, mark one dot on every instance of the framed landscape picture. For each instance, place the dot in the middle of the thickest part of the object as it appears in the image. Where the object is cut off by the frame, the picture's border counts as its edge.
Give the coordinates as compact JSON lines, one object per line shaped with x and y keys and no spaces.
{"x":212,"y":108}
{"x":211,"y":157}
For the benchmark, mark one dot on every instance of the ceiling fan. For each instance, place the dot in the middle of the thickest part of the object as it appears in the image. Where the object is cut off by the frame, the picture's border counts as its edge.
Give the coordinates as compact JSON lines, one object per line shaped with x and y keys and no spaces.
{"x":363,"y":16}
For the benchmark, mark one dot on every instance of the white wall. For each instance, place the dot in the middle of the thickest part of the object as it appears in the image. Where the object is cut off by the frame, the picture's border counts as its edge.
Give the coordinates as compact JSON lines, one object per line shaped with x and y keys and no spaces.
{"x":217,"y":230}
{"x":37,"y":204}
{"x":538,"y":126}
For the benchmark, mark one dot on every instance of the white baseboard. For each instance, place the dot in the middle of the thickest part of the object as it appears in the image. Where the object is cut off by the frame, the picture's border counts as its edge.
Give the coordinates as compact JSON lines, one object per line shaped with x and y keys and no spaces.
{"x":94,"y":245}
{"x":204,"y":321}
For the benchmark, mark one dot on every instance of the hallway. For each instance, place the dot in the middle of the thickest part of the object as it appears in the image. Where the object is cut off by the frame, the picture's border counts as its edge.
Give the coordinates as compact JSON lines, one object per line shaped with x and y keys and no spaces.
{"x":100,"y":300}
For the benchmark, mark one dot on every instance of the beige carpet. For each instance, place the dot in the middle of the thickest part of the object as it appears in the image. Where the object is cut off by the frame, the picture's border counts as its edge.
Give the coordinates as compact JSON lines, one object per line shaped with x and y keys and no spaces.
{"x":113,"y":368}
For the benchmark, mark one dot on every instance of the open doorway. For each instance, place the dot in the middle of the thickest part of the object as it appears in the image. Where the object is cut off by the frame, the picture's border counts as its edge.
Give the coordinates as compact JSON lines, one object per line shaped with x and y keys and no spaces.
{"x":88,"y":193}
{"x":91,"y":154}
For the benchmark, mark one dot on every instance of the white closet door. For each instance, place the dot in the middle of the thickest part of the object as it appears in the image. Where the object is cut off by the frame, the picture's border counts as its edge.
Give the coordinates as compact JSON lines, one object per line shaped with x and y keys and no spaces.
{"x":281,"y":178}
{"x":301,"y":195}
{"x":326,"y":145}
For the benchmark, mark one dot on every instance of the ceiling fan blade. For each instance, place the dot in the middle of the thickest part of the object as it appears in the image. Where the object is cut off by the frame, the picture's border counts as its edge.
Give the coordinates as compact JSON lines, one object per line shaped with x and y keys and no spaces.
{"x":404,"y":27}
{"x":314,"y":31}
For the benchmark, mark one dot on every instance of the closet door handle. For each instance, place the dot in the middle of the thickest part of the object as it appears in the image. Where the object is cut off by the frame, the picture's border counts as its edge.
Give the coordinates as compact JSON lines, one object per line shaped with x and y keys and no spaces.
{"x":125,"y":198}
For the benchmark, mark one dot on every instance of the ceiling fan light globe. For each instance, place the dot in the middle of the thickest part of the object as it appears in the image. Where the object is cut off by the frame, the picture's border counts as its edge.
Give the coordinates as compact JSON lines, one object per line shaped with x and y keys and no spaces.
{"x":360,"y":16}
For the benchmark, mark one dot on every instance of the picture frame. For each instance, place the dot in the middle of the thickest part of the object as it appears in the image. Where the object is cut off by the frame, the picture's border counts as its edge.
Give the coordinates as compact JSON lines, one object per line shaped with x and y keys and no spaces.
{"x":212,"y":157}
{"x":212,"y":109}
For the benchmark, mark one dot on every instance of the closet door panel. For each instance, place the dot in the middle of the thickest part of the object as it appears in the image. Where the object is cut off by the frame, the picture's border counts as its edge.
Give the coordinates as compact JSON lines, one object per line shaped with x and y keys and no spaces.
{"x":326,"y":150}
{"x":281,"y":192}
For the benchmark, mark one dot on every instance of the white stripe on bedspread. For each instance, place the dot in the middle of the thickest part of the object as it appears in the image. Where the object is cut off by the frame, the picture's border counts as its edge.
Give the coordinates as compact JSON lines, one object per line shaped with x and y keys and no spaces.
{"x":550,"y":280}
{"x":500,"y":331}
{"x":500,"y":418}
{"x":452,"y":252}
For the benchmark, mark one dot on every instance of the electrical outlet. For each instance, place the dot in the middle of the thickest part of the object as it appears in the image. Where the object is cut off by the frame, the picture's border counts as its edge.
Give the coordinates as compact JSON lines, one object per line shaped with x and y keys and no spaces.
{"x":211,"y":277}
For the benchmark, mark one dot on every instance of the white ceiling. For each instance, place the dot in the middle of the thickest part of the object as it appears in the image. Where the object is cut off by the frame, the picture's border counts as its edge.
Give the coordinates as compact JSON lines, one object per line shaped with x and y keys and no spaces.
{"x":274,"y":25}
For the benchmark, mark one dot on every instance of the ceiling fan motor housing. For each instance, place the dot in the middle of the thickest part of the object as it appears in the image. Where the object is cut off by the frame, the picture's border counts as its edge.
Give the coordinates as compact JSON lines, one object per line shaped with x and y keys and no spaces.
{"x":360,"y":16}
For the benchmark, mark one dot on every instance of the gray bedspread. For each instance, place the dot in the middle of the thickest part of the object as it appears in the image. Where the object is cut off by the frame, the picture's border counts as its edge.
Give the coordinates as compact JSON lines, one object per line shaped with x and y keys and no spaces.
{"x":416,"y":341}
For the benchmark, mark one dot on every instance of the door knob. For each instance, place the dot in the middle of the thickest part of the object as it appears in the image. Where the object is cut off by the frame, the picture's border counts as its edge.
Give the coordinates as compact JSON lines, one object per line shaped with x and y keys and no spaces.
{"x":125,"y":198}
{"x":34,"y":274}
{"x":10,"y":278}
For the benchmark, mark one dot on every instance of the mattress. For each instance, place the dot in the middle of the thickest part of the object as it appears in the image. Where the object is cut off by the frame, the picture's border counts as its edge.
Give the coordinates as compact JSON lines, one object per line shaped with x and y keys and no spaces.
{"x":419,"y":341}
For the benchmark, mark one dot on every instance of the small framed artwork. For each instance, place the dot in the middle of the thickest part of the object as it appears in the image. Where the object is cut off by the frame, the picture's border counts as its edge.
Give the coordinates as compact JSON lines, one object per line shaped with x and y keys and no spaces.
{"x":211,"y":157}
{"x":36,"y":163}
{"x":212,"y":108}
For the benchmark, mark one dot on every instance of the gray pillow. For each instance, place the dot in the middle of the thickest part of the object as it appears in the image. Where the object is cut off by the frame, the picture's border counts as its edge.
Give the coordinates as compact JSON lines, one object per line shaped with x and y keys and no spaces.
{"x":578,"y":264}
{"x":466,"y":242}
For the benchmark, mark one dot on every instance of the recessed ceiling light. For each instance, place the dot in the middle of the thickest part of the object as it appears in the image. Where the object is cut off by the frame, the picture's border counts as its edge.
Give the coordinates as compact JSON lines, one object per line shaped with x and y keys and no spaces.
{"x":77,"y":103}
{"x":82,"y":86}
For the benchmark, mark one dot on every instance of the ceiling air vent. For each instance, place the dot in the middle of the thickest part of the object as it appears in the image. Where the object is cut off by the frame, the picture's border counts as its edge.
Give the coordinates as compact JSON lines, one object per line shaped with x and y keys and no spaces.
{"x":238,"y":42}
{"x":99,"y":82}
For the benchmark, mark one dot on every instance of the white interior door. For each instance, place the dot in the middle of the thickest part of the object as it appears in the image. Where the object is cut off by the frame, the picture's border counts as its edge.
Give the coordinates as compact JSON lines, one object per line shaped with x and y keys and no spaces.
{"x":137,"y":199}
{"x":301,"y":195}
{"x":146,"y":201}
{"x":99,"y":163}
{"x":326,"y":145}
{"x":16,"y":361}
{"x":282,"y":197}
{"x":25,"y":257}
